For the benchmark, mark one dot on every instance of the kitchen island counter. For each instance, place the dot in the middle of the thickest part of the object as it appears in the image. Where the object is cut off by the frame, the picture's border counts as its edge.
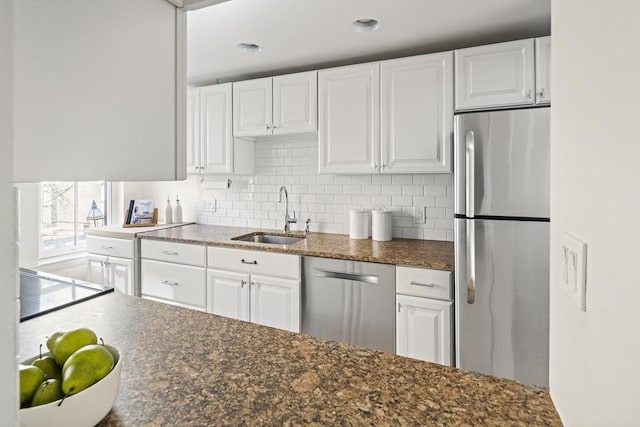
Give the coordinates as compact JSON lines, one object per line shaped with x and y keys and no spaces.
{"x":184,"y":367}
{"x":432,"y":254}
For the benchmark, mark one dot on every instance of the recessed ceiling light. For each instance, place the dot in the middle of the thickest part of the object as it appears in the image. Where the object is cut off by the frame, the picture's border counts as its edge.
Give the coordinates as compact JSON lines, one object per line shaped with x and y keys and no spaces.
{"x":248,"y":47}
{"x":365,"y":24}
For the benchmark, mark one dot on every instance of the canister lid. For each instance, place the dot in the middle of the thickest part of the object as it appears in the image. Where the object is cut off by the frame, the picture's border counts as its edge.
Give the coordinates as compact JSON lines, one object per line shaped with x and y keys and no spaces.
{"x":381,"y":210}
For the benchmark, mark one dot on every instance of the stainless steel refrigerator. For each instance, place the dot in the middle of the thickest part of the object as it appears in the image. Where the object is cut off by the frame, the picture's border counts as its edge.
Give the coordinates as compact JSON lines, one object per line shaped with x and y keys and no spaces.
{"x":501,"y":237}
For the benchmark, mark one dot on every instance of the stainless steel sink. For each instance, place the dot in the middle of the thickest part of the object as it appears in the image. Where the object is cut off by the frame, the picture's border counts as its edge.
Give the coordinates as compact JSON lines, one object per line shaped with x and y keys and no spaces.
{"x":273,"y":239}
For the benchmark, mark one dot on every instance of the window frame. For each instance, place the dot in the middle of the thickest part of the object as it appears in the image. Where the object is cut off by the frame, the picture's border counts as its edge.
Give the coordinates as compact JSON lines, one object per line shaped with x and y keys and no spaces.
{"x":77,"y":246}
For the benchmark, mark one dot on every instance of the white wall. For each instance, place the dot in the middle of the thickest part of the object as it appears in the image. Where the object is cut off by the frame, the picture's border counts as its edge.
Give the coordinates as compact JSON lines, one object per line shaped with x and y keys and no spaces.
{"x":325,"y":199}
{"x":159,"y":191}
{"x":8,"y":252}
{"x":595,"y":178}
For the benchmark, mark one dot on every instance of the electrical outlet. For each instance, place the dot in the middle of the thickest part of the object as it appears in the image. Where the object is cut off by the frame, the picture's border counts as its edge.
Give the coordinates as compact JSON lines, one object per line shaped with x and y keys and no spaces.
{"x":420,"y":215}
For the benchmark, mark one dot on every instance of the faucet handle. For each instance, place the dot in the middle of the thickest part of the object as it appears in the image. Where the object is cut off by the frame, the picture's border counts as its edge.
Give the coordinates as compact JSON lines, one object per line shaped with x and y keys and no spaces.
{"x":306,"y":228}
{"x":293,"y":219}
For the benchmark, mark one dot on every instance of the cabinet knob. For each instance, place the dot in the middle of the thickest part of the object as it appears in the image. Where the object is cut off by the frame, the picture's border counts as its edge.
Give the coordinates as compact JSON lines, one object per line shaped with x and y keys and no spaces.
{"x":384,"y":165}
{"x":242,"y":283}
{"x":375,"y":166}
{"x":267,"y":127}
{"x":541,"y":94}
{"x":529,"y":94}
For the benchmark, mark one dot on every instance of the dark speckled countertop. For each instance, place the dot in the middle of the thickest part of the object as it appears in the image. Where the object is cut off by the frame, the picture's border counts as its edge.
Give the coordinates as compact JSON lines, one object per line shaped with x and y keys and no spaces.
{"x":433,"y":254}
{"x":188,"y":368}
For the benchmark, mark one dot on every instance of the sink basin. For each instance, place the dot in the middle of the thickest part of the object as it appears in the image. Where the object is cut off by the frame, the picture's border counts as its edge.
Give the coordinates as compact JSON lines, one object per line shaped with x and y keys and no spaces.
{"x":273,"y":239}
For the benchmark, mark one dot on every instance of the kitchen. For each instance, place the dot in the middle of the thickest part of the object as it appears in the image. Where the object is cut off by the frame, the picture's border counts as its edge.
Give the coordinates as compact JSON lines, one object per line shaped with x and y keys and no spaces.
{"x":559,"y":296}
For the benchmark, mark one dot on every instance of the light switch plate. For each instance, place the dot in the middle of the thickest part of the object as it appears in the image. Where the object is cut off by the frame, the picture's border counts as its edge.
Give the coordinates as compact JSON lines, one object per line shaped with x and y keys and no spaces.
{"x":573,"y":269}
{"x":420,"y":215}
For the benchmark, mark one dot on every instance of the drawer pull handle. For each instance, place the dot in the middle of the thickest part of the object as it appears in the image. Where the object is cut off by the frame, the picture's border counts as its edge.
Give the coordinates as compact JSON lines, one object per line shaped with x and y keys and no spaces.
{"x":169,"y":253}
{"x":427,"y":285}
{"x":254,"y":262}
{"x":106,"y":247}
{"x":166,"y":282}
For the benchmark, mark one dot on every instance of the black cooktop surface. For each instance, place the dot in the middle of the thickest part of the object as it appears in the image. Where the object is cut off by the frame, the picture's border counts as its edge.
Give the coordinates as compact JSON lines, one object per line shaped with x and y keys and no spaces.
{"x":41,"y":293}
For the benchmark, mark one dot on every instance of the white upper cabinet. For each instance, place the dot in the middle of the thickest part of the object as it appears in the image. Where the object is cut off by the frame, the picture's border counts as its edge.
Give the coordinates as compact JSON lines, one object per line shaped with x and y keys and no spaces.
{"x":216,"y":139}
{"x":252,"y":107}
{"x":99,"y":91}
{"x":193,"y":130}
{"x":416,"y":101}
{"x":295,"y":103}
{"x":275,"y":105}
{"x":349,"y":119}
{"x":495,"y":75}
{"x":211,"y":148}
{"x":543,"y":70}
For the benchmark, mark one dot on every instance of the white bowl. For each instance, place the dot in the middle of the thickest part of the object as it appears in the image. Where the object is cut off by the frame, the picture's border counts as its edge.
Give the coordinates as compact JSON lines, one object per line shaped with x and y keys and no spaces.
{"x":84,"y":409}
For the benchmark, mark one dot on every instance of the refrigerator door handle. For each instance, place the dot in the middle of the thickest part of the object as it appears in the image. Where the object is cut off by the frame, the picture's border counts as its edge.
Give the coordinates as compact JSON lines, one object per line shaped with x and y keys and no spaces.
{"x":471,"y":260}
{"x":469,"y":140}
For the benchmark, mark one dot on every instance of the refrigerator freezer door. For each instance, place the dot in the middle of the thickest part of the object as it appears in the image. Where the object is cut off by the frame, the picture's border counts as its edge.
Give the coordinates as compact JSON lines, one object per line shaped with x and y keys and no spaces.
{"x":502,"y":298}
{"x":501,"y":163}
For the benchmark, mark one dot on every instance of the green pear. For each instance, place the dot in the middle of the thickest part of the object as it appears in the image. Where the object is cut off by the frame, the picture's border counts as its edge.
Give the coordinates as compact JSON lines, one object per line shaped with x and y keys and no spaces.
{"x":30,"y":378}
{"x":49,"y":367}
{"x":51,"y":341}
{"x":48,"y":391}
{"x":86,"y":367}
{"x":72,"y":341}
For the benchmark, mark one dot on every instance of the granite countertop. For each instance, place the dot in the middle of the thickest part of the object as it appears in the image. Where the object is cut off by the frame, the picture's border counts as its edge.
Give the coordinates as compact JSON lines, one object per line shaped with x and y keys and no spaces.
{"x":420,"y":253}
{"x":120,"y":232}
{"x":184,"y":367}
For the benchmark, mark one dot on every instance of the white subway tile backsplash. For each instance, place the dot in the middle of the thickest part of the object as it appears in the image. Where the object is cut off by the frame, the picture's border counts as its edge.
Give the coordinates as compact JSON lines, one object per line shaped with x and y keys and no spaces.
{"x":326,"y":199}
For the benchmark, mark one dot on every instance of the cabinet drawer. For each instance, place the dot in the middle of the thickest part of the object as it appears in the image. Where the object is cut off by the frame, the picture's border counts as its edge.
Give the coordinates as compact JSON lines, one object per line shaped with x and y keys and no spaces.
{"x":268,"y":263}
{"x":110,"y":246}
{"x":174,"y":282}
{"x":422,"y":282}
{"x":181,"y":253}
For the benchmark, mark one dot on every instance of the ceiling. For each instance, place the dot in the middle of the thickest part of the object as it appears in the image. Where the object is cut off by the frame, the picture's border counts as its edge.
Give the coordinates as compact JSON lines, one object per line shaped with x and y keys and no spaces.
{"x":297,"y":35}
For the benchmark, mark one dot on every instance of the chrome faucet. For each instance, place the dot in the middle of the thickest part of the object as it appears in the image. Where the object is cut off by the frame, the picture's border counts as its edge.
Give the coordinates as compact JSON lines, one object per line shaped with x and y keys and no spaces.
{"x":287,"y":219}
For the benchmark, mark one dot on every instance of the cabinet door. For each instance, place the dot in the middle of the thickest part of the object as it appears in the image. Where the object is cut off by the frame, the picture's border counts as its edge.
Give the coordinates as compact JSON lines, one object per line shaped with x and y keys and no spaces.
{"x":228,"y":294}
{"x":96,"y":270}
{"x":215,"y":129}
{"x":495,"y":75}
{"x":295,"y":103}
{"x":416,"y":102}
{"x":543,"y":70}
{"x":423,"y":329}
{"x":252,"y":105}
{"x":193,"y":130}
{"x":120,"y":275}
{"x":349,"y":119}
{"x":275,"y":302}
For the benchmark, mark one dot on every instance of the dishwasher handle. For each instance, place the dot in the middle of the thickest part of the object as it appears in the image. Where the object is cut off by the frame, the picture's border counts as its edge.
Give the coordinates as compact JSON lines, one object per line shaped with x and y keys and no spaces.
{"x":364,"y":278}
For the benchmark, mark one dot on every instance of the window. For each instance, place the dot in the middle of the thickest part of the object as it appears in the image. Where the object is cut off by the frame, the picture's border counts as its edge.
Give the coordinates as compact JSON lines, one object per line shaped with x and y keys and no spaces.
{"x":63,"y":214}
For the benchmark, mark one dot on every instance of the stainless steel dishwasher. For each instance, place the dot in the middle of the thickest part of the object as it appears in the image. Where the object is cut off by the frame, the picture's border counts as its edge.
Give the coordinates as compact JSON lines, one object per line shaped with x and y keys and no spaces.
{"x":349,"y":301}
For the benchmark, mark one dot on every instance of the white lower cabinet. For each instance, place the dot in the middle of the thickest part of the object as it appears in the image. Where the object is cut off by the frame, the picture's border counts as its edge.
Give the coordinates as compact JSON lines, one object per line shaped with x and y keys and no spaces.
{"x":105,"y":269}
{"x":424,"y":315}
{"x":423,"y":329}
{"x":174,"y":273}
{"x":275,"y":302}
{"x":255,"y":286}
{"x":228,"y":294}
{"x":111,"y":271}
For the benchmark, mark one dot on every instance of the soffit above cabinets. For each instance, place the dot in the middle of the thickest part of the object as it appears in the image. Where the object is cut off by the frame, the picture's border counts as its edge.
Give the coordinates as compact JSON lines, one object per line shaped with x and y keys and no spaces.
{"x":298,"y":35}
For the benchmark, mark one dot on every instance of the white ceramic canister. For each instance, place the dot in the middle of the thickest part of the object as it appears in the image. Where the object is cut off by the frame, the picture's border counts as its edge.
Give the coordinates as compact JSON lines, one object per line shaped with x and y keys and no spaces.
{"x":381,"y":224}
{"x":359,"y":223}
